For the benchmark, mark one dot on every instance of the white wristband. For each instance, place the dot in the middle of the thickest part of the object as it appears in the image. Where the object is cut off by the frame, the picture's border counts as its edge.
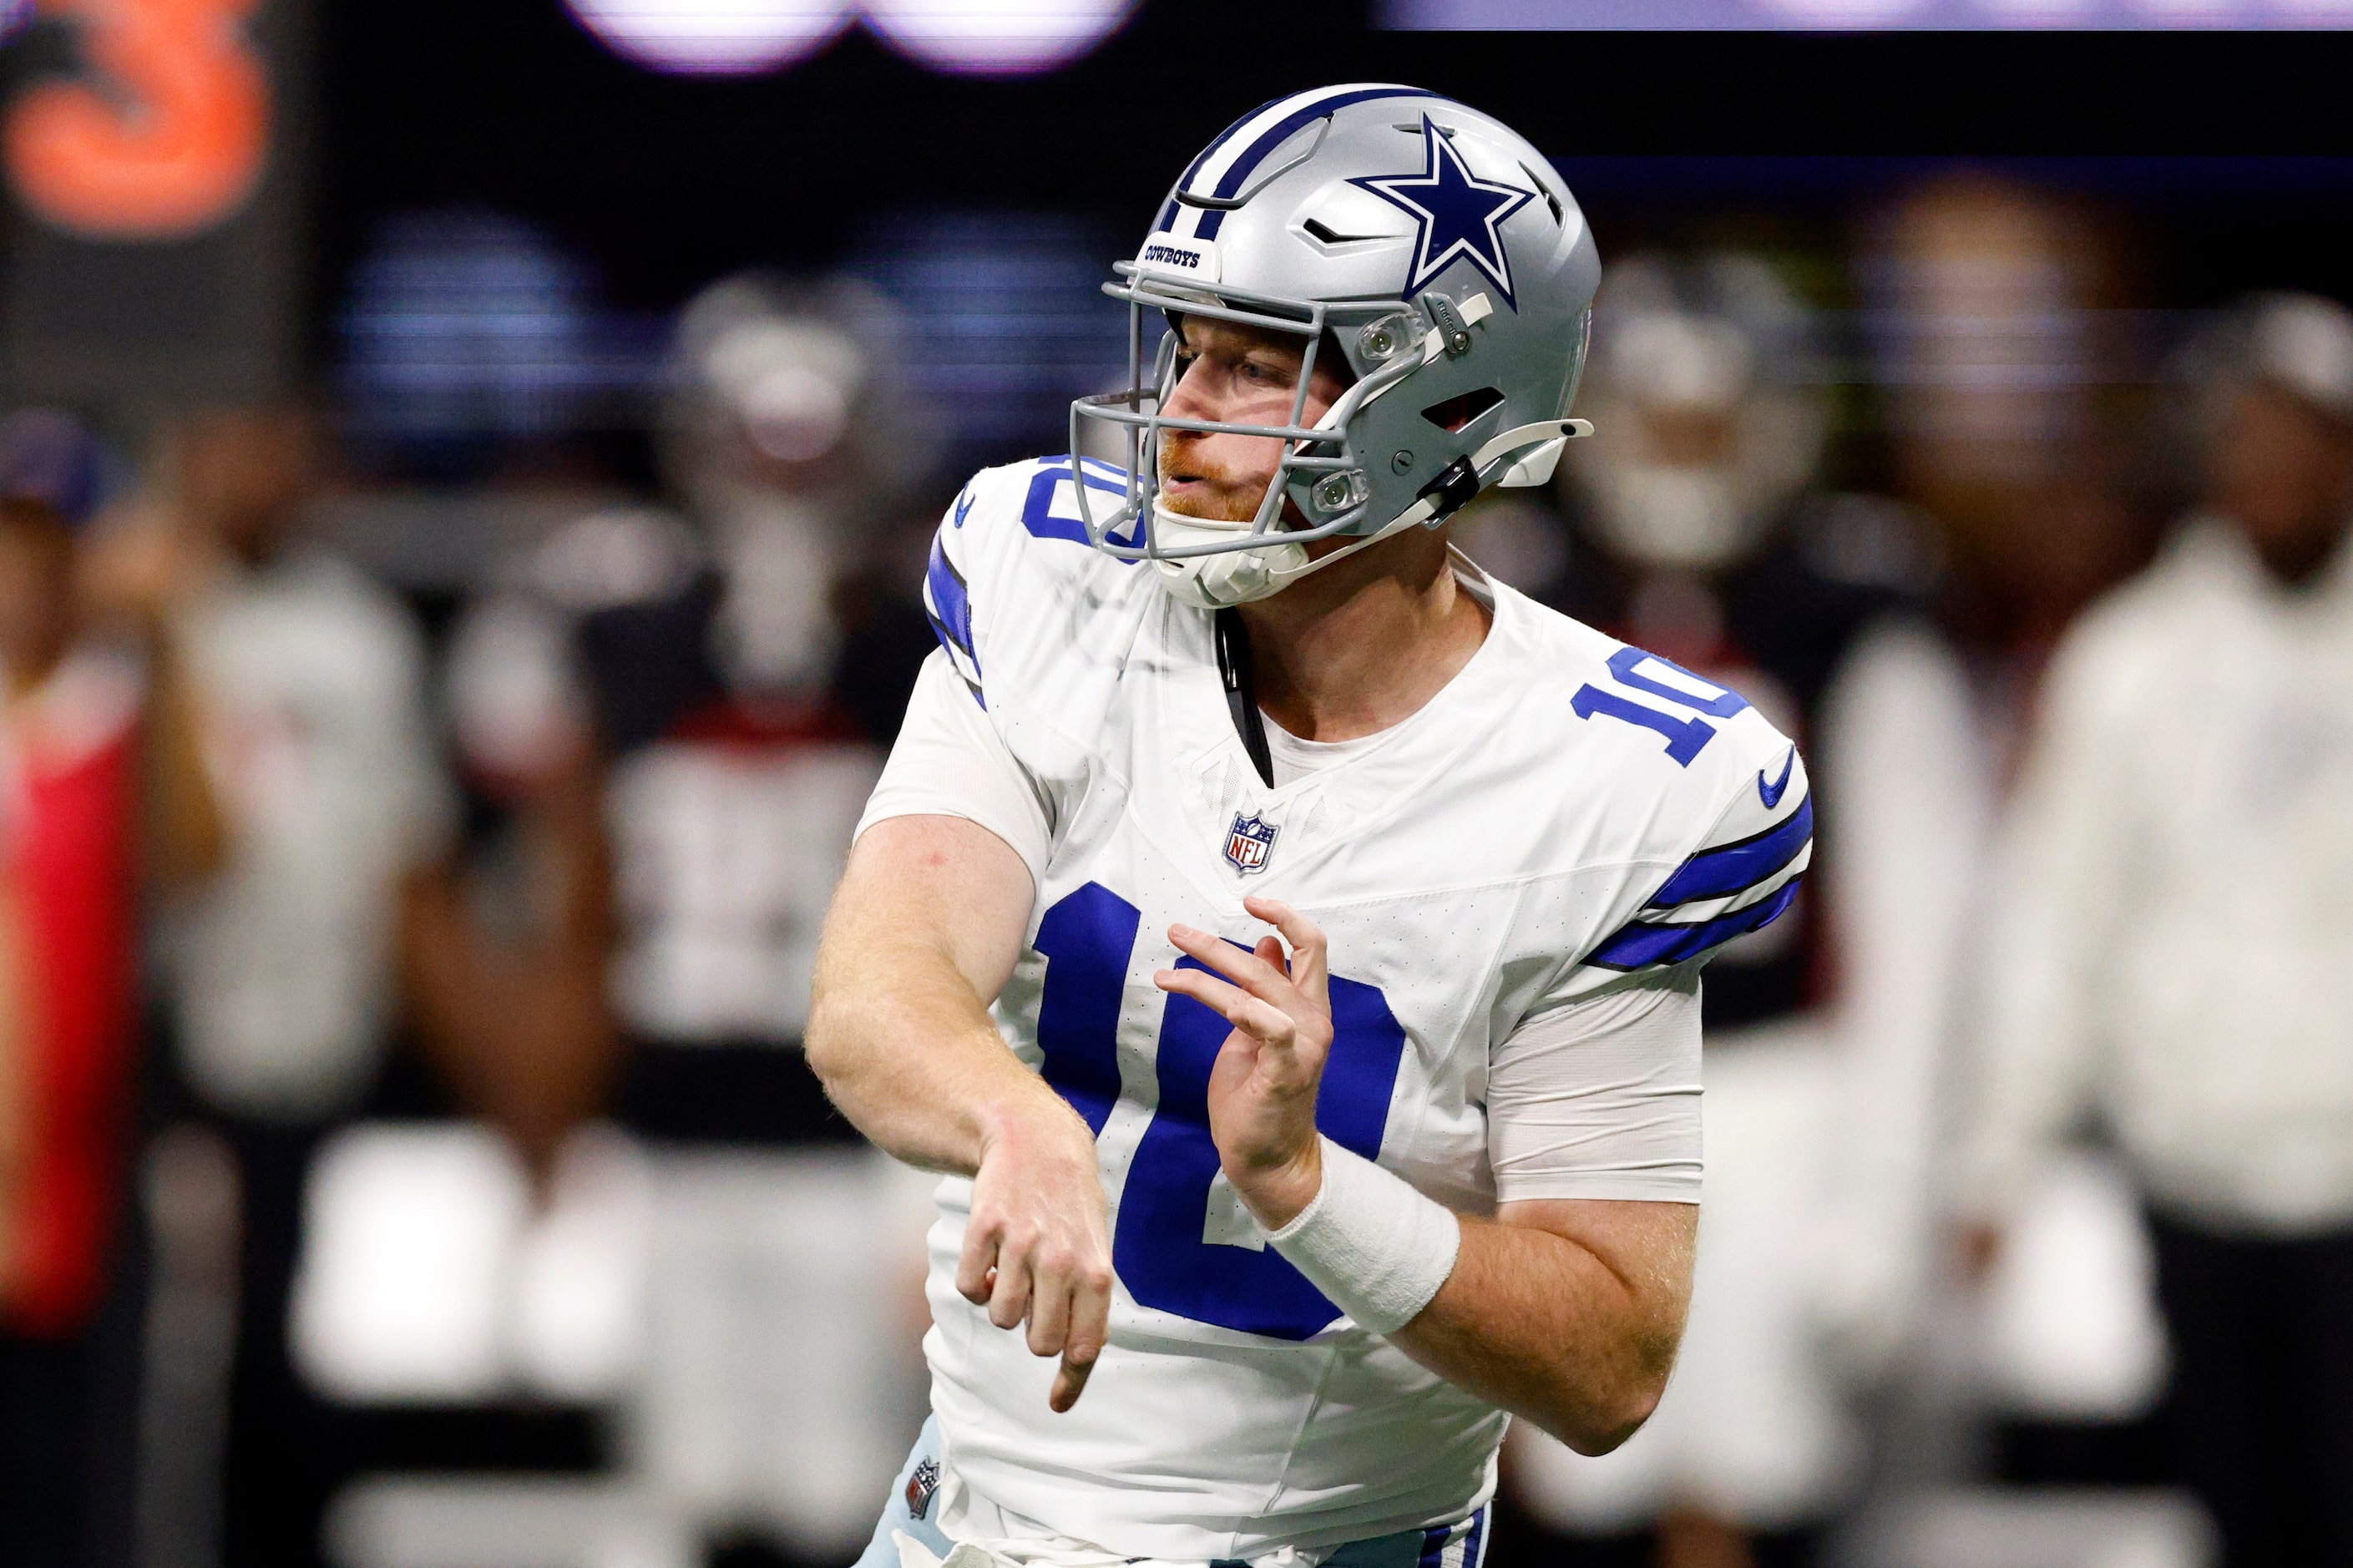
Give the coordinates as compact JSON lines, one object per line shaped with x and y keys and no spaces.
{"x":1369,"y":1241}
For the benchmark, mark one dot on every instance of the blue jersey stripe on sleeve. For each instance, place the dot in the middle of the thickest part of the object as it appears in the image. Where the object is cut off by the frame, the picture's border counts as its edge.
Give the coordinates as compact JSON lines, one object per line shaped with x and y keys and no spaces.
{"x":1730,"y":869}
{"x":948,"y":605}
{"x":947,"y":602}
{"x":1640,"y":945}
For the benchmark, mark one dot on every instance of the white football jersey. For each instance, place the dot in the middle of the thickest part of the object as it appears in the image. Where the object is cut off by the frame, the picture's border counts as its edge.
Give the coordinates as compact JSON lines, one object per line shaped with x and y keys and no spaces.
{"x":1567,"y":812}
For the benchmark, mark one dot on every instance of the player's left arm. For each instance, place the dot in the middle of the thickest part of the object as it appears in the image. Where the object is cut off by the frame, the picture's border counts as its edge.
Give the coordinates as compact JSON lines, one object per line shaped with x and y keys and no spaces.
{"x":1567,"y":1311}
{"x":1564,"y":1311}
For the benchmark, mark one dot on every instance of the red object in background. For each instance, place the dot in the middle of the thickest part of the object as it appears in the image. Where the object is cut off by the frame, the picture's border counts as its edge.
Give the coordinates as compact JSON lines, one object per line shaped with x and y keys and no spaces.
{"x":69,"y":820}
{"x":166,"y":139}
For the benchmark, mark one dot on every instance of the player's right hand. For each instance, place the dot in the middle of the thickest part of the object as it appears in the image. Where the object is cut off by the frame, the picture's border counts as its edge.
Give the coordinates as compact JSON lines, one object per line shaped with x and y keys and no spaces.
{"x":1038,"y":1248}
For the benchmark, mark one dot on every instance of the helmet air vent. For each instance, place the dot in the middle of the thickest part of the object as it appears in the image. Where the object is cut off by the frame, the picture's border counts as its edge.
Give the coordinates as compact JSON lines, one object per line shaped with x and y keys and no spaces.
{"x":1318,"y":230}
{"x":1545,"y":190}
{"x":1457,"y":413}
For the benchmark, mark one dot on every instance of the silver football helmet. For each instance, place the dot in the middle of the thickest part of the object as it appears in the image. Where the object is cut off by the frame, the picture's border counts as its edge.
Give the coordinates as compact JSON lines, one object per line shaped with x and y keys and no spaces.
{"x":1432,"y":247}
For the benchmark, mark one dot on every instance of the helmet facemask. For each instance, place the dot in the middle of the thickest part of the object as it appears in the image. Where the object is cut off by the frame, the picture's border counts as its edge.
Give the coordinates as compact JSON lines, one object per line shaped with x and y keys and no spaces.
{"x":1337,"y":472}
{"x":1321,"y":470}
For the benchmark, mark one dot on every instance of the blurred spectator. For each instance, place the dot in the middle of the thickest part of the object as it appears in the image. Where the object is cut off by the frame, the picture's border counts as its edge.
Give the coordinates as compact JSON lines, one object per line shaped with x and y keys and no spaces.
{"x":2173,"y":936}
{"x":309,"y":680}
{"x":506,"y":951}
{"x":1990,"y":310}
{"x":48,"y":455}
{"x":1710,"y":547}
{"x":691,"y":685}
{"x":710,"y":654}
{"x":102,"y":797}
{"x":1991,"y":313}
{"x":747,"y":729}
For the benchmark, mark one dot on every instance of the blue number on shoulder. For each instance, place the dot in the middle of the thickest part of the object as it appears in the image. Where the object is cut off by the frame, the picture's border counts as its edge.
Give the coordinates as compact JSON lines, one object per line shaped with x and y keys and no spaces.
{"x":1157,"y":1250}
{"x":1626,"y":663}
{"x":1685,"y":738}
{"x":1037,"y":514}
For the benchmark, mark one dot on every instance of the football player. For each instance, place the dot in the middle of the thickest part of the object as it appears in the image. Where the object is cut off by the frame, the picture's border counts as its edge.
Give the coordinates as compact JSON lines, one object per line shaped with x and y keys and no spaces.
{"x":1284,"y":937}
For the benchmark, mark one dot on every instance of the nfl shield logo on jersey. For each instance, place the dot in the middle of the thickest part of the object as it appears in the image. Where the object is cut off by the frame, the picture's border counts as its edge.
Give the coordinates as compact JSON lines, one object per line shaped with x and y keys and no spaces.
{"x":1249,"y":842}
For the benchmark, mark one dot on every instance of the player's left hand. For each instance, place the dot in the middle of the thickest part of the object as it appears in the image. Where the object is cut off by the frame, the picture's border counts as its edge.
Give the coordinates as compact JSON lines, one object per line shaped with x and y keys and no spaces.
{"x":1262,"y":1089}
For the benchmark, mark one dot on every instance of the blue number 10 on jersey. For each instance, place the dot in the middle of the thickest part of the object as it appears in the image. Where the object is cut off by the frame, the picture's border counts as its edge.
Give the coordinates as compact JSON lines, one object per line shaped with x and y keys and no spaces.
{"x":1088,"y":942}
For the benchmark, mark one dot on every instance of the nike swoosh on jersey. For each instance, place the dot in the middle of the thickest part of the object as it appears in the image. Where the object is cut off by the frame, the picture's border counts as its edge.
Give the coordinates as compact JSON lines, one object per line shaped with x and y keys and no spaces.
{"x":1770,"y":794}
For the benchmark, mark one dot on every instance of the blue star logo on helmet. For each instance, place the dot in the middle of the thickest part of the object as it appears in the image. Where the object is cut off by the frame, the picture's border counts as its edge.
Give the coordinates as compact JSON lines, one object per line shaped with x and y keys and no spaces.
{"x":1459,"y":215}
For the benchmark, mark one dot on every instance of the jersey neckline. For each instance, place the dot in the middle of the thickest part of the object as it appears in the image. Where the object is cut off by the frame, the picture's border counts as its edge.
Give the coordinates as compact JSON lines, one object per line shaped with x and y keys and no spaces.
{"x":1384,"y":743}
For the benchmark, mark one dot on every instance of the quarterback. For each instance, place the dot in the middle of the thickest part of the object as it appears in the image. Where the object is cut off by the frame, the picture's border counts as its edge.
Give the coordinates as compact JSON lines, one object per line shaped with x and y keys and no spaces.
{"x":1284,"y":938}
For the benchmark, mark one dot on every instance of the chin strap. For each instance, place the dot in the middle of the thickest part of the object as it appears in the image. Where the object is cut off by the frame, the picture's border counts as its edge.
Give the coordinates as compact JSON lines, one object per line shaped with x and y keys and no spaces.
{"x":1241,"y":690}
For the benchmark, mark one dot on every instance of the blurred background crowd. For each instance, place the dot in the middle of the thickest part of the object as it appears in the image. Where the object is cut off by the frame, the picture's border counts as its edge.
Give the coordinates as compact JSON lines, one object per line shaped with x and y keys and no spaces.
{"x":465,"y":471}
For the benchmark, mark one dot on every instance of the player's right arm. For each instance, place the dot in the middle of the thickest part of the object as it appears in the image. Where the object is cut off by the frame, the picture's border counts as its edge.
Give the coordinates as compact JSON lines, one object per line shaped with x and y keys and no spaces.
{"x":924,"y":928}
